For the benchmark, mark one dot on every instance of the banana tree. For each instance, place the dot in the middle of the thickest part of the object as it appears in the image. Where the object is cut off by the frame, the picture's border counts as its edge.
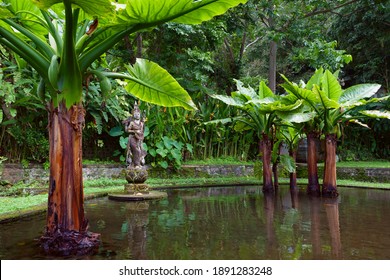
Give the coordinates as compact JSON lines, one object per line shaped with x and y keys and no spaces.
{"x":312,"y":129}
{"x":337,"y":107}
{"x":259,"y":114}
{"x":61,"y":39}
{"x":333,"y":107}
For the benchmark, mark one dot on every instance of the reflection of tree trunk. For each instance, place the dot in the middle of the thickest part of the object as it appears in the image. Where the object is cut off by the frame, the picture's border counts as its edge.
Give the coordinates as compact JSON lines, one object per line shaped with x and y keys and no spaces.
{"x":294,"y":198}
{"x":332,"y":213}
{"x":293,"y":175}
{"x":275,"y":172}
{"x":313,"y":187}
{"x":266,"y":150}
{"x":329,"y":188}
{"x":315,"y":227}
{"x":65,"y":215}
{"x":269,"y":208}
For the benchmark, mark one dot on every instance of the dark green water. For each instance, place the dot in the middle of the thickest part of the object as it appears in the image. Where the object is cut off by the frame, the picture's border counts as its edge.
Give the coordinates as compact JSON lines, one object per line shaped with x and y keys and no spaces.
{"x":227,"y":223}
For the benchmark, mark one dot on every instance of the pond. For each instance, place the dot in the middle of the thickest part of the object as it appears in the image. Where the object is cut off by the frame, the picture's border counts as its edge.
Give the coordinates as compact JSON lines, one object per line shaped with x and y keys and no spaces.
{"x":226,"y":223}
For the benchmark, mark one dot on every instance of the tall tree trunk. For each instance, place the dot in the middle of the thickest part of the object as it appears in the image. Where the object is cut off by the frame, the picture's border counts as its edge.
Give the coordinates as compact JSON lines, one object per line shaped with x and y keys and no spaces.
{"x":329,"y":187}
{"x":275,"y":165}
{"x":313,"y":187}
{"x":66,"y":229}
{"x":266,"y":151}
{"x":139,"y":45}
{"x":293,"y":175}
{"x":272,"y":66}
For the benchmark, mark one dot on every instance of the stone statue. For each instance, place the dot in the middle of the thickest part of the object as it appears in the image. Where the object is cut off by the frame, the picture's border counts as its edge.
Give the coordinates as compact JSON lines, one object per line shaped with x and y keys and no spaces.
{"x":134,"y":125}
{"x":136,"y":172}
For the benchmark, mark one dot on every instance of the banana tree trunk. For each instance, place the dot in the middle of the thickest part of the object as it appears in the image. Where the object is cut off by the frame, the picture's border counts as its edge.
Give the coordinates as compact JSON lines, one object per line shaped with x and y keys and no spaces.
{"x":66,"y":228}
{"x":293,"y":175}
{"x":313,"y":187}
{"x":329,"y":187}
{"x":266,"y":151}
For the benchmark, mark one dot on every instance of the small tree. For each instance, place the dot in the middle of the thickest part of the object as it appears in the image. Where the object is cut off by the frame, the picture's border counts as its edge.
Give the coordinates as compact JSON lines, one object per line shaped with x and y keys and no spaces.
{"x":259,"y":113}
{"x":334,"y":106}
{"x":61,"y":39}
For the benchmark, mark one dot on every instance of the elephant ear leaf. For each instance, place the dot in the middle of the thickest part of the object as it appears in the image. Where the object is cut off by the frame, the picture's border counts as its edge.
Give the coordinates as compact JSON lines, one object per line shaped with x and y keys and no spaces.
{"x":356,"y":93}
{"x":152,"y":12}
{"x":330,"y":86}
{"x":91,"y":7}
{"x":377,"y":114}
{"x":152,"y":83}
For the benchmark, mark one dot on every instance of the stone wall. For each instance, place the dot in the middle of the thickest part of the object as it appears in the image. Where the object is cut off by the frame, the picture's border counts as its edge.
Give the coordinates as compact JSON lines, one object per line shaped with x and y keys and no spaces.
{"x":34,"y":172}
{"x":15,"y":172}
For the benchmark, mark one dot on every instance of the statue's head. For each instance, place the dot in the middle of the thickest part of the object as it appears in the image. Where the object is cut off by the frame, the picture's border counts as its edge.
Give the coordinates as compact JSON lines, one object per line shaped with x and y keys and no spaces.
{"x":136,"y":112}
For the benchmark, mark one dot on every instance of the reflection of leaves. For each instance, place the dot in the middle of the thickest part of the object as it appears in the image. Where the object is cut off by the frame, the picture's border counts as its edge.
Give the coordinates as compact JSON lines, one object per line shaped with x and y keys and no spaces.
{"x":101,"y":224}
{"x":124,"y":227}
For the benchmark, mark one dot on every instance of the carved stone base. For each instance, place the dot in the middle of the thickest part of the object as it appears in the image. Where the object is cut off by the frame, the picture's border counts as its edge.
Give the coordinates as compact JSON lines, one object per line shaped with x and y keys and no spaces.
{"x":136,"y":175}
{"x":136,"y":188}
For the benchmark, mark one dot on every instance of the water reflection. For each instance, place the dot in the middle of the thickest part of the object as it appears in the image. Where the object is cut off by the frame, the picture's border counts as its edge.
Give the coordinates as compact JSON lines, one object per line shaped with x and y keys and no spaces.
{"x":332,"y":213}
{"x":228,"y":223}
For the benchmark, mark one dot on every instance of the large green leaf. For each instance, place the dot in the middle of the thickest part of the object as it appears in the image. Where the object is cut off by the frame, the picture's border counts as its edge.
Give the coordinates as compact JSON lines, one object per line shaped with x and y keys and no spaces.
{"x":26,"y":12}
{"x":91,"y":7}
{"x":376,"y":114}
{"x":229,"y":100}
{"x":296,"y":117}
{"x":152,"y":12}
{"x":247,"y":92}
{"x":327,"y":102}
{"x":331,"y":86}
{"x":265,"y":91}
{"x":354,"y":94}
{"x":315,"y":79}
{"x":152,"y":83}
{"x":300,"y":93}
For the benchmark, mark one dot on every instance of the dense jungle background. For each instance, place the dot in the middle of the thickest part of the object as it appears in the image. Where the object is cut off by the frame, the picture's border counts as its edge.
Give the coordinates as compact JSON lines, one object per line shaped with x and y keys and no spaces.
{"x":251,"y":43}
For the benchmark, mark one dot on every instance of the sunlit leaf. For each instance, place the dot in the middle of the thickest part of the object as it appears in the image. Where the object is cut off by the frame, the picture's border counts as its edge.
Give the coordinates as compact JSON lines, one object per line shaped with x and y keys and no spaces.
{"x":183,"y":11}
{"x":327,"y":102}
{"x":152,"y":83}
{"x":229,"y":100}
{"x":377,"y":114}
{"x":354,"y":94}
{"x":265,"y":91}
{"x":330,"y":86}
{"x":92,"y":7}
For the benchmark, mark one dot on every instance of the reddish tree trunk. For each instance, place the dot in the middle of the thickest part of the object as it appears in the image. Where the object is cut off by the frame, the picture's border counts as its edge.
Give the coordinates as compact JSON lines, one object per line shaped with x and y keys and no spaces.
{"x":293,"y":175}
{"x":266,"y":151}
{"x":329,"y":188}
{"x":66,"y":229}
{"x":313,"y":187}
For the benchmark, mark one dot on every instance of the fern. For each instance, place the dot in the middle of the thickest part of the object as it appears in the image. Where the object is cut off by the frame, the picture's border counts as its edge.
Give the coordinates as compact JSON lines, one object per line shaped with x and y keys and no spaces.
{"x":98,"y":121}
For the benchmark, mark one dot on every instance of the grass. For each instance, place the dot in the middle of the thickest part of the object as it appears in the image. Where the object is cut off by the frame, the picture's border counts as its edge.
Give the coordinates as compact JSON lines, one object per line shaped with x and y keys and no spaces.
{"x":364,"y":164}
{"x":218,"y":161}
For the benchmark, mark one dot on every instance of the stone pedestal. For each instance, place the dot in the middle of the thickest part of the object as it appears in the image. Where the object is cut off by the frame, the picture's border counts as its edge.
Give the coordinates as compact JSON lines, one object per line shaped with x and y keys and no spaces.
{"x":136,"y":175}
{"x":136,"y":189}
